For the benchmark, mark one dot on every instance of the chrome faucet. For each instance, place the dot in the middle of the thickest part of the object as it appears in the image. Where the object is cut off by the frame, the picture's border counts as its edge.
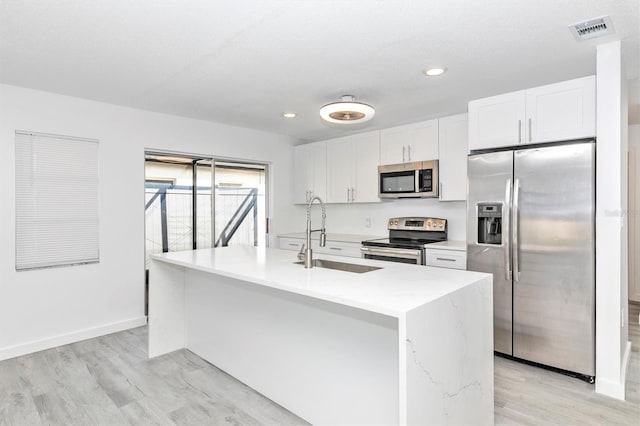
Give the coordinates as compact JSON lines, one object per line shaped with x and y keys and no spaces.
{"x":306,"y":254}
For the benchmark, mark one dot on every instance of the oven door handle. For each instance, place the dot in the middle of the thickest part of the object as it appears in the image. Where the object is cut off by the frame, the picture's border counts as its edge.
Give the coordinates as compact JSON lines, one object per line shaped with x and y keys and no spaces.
{"x":391,"y":252}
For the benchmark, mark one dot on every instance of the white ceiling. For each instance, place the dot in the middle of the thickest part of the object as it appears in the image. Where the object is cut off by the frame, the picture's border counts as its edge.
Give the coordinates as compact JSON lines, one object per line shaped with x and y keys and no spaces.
{"x":244,"y":62}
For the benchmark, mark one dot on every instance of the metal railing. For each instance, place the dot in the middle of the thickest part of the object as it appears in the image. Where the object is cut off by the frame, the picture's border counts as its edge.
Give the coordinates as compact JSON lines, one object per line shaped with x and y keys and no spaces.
{"x":248,"y":207}
{"x":248,"y":204}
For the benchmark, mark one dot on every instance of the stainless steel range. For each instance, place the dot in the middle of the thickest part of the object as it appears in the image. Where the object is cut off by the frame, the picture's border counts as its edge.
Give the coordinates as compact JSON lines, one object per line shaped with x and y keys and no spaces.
{"x":407,"y":239}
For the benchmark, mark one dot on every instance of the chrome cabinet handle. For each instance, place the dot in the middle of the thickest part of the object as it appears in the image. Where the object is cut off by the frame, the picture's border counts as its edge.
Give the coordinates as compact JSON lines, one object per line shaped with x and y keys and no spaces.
{"x":505,"y":229}
{"x":440,"y":194}
{"x":530,"y":138}
{"x":403,"y":147}
{"x":409,"y":152}
{"x":353,"y":194}
{"x":348,"y":196}
{"x":335,"y":248}
{"x":516,"y":230}
{"x":519,"y":131}
{"x":444,"y":258}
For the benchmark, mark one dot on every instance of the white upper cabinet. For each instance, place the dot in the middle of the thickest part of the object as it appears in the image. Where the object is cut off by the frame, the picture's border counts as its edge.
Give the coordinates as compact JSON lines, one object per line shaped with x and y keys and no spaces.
{"x":367,"y":152}
{"x":562,"y":111}
{"x":496,"y":121}
{"x":555,"y":112}
{"x":352,"y":168}
{"x":310,"y":161}
{"x":405,"y":144}
{"x":340,"y":170}
{"x":453,"y":157}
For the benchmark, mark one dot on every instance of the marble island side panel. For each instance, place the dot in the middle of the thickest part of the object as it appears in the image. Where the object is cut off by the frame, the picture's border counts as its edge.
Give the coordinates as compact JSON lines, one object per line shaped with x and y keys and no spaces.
{"x":421,"y":356}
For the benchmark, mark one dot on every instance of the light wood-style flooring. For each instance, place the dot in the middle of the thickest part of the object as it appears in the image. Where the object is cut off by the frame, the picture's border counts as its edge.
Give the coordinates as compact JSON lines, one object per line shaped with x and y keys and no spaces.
{"x":109,"y":381}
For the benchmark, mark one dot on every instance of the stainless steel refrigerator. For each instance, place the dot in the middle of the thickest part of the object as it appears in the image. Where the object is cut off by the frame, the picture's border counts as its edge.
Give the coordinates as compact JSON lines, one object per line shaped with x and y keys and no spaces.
{"x":530,"y":222}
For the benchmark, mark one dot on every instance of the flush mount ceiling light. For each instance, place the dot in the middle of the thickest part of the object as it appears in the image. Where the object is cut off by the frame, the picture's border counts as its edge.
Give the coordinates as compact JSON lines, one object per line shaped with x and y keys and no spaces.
{"x":347,"y":111}
{"x":289,"y":114}
{"x":434,"y":71}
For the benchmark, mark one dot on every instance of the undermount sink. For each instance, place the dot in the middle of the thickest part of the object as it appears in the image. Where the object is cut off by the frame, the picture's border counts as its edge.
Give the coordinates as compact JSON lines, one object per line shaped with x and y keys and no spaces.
{"x":341,"y":266}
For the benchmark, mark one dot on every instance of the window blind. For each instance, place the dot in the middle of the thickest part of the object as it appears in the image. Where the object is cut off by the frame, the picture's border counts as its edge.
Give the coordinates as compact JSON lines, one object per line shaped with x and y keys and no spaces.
{"x":56,"y":200}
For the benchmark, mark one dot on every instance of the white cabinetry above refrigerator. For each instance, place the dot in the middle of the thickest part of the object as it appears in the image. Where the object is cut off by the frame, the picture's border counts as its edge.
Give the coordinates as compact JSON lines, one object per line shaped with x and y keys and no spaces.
{"x":560,"y":111}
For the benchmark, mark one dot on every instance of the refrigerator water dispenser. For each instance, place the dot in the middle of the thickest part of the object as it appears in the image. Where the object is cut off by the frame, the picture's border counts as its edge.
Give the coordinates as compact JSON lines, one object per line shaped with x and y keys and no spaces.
{"x":490,"y":223}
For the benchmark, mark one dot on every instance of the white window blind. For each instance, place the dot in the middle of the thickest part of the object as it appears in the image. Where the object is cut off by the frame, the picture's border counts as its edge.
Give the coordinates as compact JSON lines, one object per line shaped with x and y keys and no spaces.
{"x":56,"y":200}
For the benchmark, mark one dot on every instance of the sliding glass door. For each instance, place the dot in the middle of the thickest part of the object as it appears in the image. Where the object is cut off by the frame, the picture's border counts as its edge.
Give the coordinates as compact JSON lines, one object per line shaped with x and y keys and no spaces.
{"x":193,"y":202}
{"x":240,"y":204}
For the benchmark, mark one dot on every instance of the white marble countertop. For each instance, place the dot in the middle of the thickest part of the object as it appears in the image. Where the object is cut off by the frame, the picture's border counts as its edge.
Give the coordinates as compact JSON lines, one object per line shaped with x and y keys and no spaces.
{"x":345,"y":238}
{"x":393,"y":290}
{"x":449,"y":245}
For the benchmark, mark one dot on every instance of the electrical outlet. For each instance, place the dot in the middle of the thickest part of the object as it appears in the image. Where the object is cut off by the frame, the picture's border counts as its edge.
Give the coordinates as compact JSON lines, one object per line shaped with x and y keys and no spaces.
{"x":367,"y":223}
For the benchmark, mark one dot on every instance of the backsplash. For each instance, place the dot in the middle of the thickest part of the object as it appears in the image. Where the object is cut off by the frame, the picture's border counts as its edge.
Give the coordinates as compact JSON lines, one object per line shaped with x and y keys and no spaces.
{"x":352,"y":218}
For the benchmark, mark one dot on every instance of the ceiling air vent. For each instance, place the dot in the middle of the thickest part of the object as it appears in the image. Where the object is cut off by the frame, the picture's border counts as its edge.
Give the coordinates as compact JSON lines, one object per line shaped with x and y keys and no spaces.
{"x":597,"y":27}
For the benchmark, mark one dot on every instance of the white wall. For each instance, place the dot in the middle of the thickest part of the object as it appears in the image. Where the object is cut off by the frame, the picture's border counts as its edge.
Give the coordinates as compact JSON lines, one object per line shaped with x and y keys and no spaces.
{"x":634,"y":190}
{"x":45,"y":308}
{"x":350,"y":218}
{"x":612,"y":347}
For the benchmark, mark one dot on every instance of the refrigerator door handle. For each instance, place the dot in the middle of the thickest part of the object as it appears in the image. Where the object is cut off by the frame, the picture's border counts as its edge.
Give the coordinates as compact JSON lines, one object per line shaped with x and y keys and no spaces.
{"x":516,"y":231}
{"x":505,"y":229}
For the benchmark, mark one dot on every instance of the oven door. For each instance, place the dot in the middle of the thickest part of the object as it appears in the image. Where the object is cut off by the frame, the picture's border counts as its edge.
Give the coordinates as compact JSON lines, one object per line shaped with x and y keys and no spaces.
{"x":400,"y":255}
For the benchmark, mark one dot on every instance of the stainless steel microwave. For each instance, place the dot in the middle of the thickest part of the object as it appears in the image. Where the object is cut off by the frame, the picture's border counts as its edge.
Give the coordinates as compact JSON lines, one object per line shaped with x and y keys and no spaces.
{"x":408,"y":180}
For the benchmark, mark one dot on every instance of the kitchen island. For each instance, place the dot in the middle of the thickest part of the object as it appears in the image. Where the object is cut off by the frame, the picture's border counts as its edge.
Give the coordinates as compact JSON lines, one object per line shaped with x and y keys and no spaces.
{"x":403,"y":344}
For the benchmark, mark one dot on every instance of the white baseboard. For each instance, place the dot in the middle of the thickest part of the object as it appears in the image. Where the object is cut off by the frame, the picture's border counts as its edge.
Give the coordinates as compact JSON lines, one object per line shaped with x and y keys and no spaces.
{"x":616,"y":389}
{"x":64,"y":339}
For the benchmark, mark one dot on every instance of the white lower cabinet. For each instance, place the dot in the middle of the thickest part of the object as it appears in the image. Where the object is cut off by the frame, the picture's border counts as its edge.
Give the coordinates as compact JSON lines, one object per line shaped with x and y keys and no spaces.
{"x":291,"y":243}
{"x":336,"y":248}
{"x":446,"y":258}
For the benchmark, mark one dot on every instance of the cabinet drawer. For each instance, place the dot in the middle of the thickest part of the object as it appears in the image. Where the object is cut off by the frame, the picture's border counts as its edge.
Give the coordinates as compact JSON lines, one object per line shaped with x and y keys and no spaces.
{"x":339,"y":249}
{"x":291,"y":243}
{"x":452,"y":259}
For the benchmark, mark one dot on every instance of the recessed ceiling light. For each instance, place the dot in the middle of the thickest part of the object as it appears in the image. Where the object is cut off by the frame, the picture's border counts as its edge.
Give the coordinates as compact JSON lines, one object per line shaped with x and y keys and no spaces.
{"x":434,"y":71}
{"x":347,"y":111}
{"x":289,"y":114}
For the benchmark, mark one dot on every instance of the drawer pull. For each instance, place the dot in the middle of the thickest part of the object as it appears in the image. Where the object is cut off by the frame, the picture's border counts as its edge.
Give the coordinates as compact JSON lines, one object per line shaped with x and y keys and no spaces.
{"x":444,"y":258}
{"x":294,"y":245}
{"x":335,"y":248}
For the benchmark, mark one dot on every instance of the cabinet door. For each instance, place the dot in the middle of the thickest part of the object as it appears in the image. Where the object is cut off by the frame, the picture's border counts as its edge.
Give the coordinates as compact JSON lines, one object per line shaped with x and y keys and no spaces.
{"x":422,"y":143}
{"x":366,"y":147}
{"x":562,"y":111}
{"x":497,"y":121}
{"x":303,"y":173}
{"x":393,"y":145}
{"x":341,"y":165}
{"x":452,"y":140}
{"x":318,"y":163}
